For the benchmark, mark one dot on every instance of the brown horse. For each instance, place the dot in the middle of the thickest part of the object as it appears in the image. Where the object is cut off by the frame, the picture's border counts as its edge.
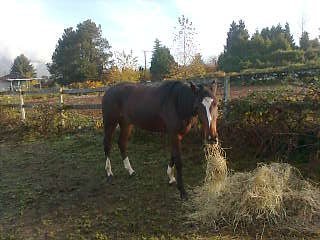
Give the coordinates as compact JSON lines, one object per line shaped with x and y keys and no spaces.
{"x":171,"y":107}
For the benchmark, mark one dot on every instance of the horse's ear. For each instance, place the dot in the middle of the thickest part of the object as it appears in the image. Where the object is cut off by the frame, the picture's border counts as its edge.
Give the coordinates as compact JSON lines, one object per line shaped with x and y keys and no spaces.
{"x":193,"y":87}
{"x":214,"y":86}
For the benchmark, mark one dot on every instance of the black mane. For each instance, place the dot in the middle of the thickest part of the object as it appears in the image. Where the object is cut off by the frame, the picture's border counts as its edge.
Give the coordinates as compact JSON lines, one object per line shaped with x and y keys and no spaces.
{"x":181,"y":95}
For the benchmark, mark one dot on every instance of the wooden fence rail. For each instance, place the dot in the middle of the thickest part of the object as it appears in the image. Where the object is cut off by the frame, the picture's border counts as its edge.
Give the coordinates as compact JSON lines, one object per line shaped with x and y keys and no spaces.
{"x":63,"y":107}
{"x":57,"y":91}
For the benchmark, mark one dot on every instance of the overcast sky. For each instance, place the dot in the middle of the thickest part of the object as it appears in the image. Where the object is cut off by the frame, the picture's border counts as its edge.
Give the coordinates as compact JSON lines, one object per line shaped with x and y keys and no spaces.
{"x":33,"y":27}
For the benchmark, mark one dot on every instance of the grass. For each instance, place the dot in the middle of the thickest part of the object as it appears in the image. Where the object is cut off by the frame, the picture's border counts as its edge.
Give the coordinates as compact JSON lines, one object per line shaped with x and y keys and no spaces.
{"x":55,"y":188}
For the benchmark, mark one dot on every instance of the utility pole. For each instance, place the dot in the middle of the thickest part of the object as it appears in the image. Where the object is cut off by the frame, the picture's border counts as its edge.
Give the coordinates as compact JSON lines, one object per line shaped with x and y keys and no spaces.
{"x":145,"y":64}
{"x":302,"y":25}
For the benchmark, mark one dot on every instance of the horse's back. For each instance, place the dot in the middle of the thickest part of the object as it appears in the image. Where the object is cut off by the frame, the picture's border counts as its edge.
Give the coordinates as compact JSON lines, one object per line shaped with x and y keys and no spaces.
{"x":123,"y":98}
{"x":138,"y":104}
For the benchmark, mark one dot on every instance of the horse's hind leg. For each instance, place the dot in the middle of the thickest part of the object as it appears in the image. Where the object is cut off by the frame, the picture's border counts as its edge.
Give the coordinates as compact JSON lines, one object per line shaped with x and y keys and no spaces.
{"x":125,"y":131}
{"x":170,"y":171}
{"x":108,"y":133}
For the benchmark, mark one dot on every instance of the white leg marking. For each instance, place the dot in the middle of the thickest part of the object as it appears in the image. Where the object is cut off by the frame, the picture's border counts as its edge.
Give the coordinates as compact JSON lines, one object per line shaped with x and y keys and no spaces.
{"x":207,"y":103}
{"x":170,"y":173}
{"x":127,"y":165}
{"x":108,"y":167}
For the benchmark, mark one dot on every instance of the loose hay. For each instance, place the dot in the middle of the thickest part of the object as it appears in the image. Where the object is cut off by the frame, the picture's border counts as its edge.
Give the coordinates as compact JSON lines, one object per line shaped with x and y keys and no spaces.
{"x":273,"y":194}
{"x":216,"y":171}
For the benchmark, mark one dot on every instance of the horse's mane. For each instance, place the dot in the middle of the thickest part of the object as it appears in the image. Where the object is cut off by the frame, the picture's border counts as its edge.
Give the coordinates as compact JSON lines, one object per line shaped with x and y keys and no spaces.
{"x":181,"y":95}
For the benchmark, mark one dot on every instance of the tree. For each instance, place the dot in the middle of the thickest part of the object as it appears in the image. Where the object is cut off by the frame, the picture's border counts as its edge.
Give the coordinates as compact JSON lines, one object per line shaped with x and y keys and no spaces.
{"x":268,"y":48}
{"x":236,"y":48}
{"x":116,"y":74}
{"x":279,"y":42}
{"x":185,"y":40}
{"x":305,"y":41}
{"x":22,"y":68}
{"x":258,"y":50}
{"x":124,"y":68}
{"x":197,"y":68}
{"x":125,"y":60}
{"x":144,"y":74}
{"x":161,"y":61}
{"x":315,"y":44}
{"x":237,"y":39}
{"x":289,"y":36}
{"x":311,"y":47}
{"x":81,"y":54}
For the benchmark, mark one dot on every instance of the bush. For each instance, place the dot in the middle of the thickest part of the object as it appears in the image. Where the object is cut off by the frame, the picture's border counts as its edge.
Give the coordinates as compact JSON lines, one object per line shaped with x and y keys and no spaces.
{"x":44,"y":119}
{"x":312,"y":54}
{"x":281,"y":57}
{"x":9,"y":119}
{"x":274,"y":123}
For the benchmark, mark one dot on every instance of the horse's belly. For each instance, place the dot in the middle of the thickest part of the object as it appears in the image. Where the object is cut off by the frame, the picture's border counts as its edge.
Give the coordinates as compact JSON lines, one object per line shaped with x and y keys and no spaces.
{"x":155,"y":124}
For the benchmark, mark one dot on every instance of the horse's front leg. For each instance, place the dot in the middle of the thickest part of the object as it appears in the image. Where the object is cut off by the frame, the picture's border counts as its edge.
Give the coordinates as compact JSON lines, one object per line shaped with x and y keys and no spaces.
{"x":176,"y":158}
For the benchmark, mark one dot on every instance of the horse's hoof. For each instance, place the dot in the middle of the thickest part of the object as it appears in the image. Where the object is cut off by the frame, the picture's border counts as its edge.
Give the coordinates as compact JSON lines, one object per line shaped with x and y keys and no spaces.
{"x":171,"y":183}
{"x":132,"y":174}
{"x":109,"y":179}
{"x":184,"y":196}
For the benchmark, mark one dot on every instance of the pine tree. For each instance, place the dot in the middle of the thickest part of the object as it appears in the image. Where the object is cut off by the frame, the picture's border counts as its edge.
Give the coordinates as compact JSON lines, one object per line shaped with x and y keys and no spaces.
{"x":161,"y":61}
{"x":22,"y":68}
{"x":81,"y":54}
{"x":305,"y":41}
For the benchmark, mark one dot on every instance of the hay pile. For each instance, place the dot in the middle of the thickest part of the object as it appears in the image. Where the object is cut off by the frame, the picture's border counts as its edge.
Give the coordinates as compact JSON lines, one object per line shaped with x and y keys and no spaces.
{"x":273,"y":194}
{"x":216,"y":171}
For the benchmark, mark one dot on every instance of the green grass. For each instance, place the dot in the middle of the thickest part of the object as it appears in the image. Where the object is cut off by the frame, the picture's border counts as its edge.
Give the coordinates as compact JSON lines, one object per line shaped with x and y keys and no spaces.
{"x":56,"y":189}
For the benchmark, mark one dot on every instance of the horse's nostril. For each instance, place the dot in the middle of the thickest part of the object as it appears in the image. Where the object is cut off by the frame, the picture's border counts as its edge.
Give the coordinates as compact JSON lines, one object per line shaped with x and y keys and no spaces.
{"x":213,"y":140}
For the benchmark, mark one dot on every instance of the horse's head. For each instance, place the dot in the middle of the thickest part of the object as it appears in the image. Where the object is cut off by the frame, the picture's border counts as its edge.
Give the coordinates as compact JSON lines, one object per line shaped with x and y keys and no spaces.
{"x":206,"y":106}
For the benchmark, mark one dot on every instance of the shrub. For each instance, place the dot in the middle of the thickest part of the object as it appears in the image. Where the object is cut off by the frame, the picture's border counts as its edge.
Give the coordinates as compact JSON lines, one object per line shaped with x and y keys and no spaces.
{"x":274,"y":123}
{"x":43,"y":119}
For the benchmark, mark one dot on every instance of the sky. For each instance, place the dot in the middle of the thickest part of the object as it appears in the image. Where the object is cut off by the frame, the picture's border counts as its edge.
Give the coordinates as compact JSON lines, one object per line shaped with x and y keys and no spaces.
{"x":33,"y":27}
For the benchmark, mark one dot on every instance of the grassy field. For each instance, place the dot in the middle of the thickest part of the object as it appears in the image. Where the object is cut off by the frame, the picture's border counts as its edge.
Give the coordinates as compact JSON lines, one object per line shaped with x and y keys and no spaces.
{"x":56,"y":189}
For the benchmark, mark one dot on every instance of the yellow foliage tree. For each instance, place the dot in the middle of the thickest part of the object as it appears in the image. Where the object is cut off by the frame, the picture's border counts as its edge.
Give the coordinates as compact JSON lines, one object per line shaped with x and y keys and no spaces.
{"x":196,"y":69}
{"x":123,"y":75}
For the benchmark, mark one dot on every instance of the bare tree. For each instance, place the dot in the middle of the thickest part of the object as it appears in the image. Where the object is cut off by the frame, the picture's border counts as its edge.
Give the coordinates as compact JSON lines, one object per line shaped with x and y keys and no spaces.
{"x":125,"y":60}
{"x":184,"y":40}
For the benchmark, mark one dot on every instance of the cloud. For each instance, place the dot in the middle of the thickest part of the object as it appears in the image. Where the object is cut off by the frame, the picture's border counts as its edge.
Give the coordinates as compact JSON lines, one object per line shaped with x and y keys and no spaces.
{"x":136,"y":26}
{"x":5,"y":65}
{"x":25,"y":28}
{"x":213,"y":18}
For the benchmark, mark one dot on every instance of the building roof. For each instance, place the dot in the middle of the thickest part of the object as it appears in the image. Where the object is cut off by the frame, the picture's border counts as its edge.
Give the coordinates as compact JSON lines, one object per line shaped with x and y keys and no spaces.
{"x":12,"y":78}
{"x":8,"y":76}
{"x":4,"y":78}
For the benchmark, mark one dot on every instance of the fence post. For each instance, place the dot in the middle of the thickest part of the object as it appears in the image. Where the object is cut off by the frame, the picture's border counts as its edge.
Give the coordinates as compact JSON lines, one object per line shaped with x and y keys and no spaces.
{"x":61,"y":103}
{"x":226,"y":92}
{"x":22,"y":109}
{"x":226,"y":87}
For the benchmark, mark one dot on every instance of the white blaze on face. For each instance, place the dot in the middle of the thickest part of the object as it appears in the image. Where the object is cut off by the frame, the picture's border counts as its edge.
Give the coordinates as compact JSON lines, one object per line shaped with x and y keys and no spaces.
{"x":170,"y":173}
{"x":127,"y":165}
{"x":207,"y":103}
{"x":108,"y":167}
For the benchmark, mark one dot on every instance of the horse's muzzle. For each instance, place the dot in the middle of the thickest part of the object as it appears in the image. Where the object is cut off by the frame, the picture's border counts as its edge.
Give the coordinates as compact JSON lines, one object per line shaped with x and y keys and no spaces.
{"x":211,"y":140}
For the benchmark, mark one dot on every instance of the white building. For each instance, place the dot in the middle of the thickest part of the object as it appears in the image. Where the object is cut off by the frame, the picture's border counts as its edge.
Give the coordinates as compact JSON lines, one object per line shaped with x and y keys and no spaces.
{"x":4,"y":84}
{"x":13,"y":84}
